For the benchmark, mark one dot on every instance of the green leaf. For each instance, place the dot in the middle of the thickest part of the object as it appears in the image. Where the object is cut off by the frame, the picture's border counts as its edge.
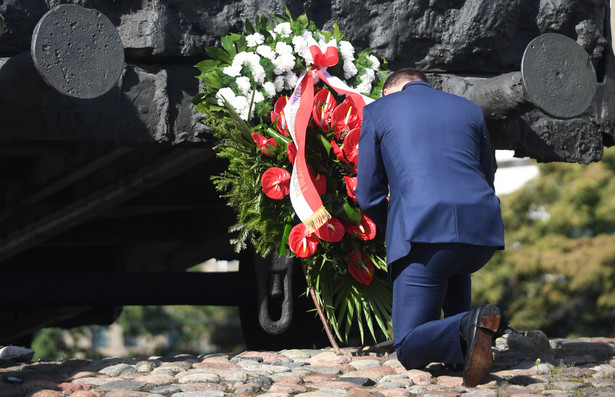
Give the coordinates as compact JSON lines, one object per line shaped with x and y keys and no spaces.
{"x":229,"y":45}
{"x":275,"y":134}
{"x":242,"y":44}
{"x":348,"y":213}
{"x":202,"y":107}
{"x":239,"y":122}
{"x":325,"y":143}
{"x":284,"y":241}
{"x":337,"y":35}
{"x":303,"y":20}
{"x":290,"y":17}
{"x":207,"y":65}
{"x":198,"y":98}
{"x":248,"y":27}
{"x":211,"y":79}
{"x":262,"y":23}
{"x":219,"y":54}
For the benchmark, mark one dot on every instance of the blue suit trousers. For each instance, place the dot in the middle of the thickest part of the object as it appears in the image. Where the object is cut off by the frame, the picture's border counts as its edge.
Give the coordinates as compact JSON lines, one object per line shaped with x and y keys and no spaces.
{"x":431,"y":279}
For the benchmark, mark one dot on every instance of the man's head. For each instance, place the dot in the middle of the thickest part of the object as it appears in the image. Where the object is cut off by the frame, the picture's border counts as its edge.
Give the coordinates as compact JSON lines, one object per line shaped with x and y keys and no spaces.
{"x":396,"y":81}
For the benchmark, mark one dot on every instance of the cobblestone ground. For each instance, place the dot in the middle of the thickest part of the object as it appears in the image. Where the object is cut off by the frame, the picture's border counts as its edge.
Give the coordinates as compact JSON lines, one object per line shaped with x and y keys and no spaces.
{"x":526,"y":364}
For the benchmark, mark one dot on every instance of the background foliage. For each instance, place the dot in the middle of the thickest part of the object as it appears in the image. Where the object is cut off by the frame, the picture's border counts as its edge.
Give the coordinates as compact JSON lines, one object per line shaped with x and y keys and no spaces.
{"x":557,"y":272}
{"x":184,"y":330}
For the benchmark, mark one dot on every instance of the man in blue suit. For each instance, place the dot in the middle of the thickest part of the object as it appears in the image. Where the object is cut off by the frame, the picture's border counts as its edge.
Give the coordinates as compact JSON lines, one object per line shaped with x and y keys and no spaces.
{"x":425,"y":175}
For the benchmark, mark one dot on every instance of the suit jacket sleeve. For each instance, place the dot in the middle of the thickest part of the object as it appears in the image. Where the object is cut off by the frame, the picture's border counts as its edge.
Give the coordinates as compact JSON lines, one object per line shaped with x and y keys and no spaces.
{"x":486,"y":157}
{"x":372,"y":183}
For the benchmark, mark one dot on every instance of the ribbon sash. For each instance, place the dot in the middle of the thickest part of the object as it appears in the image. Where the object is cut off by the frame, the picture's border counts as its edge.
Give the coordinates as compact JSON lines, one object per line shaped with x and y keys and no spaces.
{"x":303,"y":195}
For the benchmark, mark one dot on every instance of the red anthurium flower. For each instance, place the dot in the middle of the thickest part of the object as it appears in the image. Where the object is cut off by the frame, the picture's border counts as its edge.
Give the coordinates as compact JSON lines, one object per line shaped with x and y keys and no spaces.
{"x":322,"y":112}
{"x":338,"y":151}
{"x":332,"y":231}
{"x":320,"y":182}
{"x":360,"y":267}
{"x":351,"y":185}
{"x":365,"y":230}
{"x":266,"y":145}
{"x":302,"y":243}
{"x":276,"y":183}
{"x":345,"y":118}
{"x":291,"y":151}
{"x":351,"y":145}
{"x":277,"y":114}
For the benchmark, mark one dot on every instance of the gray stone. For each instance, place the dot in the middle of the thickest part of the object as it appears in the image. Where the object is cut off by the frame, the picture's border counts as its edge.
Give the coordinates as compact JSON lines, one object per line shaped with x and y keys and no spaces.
{"x":417,"y":389}
{"x":166,"y":389}
{"x":363,"y":364}
{"x":319,"y":369}
{"x":16,"y":354}
{"x":246,"y":361}
{"x":116,"y":370}
{"x":263,"y":381}
{"x":389,"y":385}
{"x":359,"y":381}
{"x":201,"y":377}
{"x":208,"y":393}
{"x":600,"y":382}
{"x":236,"y":377}
{"x":147,"y":366}
{"x":125,"y":385}
{"x":529,"y":343}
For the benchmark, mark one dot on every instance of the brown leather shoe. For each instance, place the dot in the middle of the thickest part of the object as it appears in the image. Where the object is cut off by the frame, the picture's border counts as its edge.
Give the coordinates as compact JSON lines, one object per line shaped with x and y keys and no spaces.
{"x":483,"y":322}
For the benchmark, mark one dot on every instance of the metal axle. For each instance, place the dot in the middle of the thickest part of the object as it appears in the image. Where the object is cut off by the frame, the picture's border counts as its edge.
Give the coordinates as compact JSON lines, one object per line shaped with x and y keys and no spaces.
{"x":74,"y":50}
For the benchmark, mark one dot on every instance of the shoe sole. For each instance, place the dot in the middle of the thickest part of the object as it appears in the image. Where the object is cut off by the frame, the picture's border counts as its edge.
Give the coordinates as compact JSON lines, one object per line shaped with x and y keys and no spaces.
{"x":480,"y":358}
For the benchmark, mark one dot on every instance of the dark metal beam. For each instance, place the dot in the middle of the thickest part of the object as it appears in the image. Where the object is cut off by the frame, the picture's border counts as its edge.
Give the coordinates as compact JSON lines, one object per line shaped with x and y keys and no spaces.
{"x":77,"y":211}
{"x":57,"y":289}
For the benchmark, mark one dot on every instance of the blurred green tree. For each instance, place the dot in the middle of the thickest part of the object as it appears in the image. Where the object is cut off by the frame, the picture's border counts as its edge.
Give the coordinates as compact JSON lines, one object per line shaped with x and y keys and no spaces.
{"x":186,"y":329}
{"x":557,"y":272}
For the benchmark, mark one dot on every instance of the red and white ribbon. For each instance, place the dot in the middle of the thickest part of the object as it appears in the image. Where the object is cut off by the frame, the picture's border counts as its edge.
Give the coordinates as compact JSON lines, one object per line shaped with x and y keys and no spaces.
{"x":303,"y":195}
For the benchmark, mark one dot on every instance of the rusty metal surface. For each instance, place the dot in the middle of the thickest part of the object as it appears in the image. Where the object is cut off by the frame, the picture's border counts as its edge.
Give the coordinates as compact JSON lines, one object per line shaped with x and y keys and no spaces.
{"x":558,"y":75}
{"x":78,"y":51}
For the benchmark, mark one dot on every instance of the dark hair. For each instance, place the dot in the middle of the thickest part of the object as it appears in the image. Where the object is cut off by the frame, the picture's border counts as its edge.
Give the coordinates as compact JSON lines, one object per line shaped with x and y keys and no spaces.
{"x":404,"y":75}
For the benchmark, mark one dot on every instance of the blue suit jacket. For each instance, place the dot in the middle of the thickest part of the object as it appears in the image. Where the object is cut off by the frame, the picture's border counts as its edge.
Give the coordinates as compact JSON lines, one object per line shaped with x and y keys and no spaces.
{"x":430,"y":151}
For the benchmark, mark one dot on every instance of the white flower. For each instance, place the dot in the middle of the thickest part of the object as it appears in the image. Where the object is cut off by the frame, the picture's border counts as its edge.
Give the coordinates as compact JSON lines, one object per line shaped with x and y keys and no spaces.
{"x":302,"y":47}
{"x":266,"y":52}
{"x":279,"y":83}
{"x":244,"y":85}
{"x":226,"y":93}
{"x":255,"y":39}
{"x":282,"y":48}
{"x":242,"y":106}
{"x":347,"y":50}
{"x":283,"y":29}
{"x":364,"y":87}
{"x":300,"y":43}
{"x":307,"y":57}
{"x":258,"y":97}
{"x":374,"y":61}
{"x":270,"y":88}
{"x":259,"y":74}
{"x":290,"y":81}
{"x":233,"y":70}
{"x":284,"y":63}
{"x":349,"y":69}
{"x":368,"y":76}
{"x":247,"y":58}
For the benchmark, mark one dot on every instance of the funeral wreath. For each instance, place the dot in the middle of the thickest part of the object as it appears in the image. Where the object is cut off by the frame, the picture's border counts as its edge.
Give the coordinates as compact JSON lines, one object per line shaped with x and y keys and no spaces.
{"x":284,"y":100}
